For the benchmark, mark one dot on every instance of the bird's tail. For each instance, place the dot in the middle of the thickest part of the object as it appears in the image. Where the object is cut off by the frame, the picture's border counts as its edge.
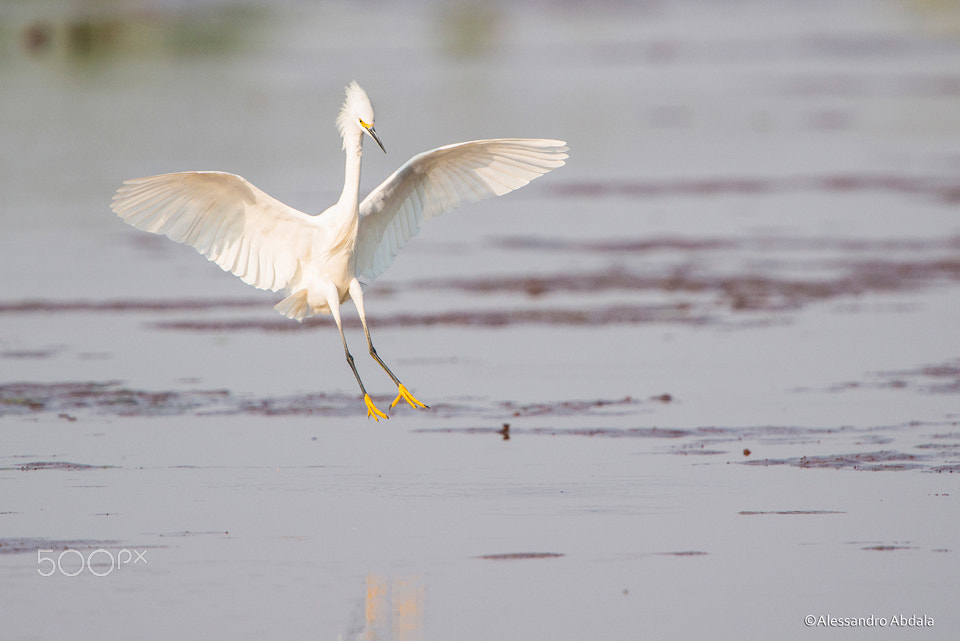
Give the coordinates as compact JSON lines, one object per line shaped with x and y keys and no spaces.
{"x":294,"y":306}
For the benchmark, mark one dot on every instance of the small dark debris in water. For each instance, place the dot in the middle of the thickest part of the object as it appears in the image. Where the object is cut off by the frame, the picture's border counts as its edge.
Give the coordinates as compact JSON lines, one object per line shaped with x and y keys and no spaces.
{"x":517,"y":556}
{"x":683,"y":553}
{"x":67,"y":417}
{"x":746,"y":451}
{"x":505,"y":431}
{"x":789,"y":512}
{"x":663,"y":398}
{"x":56,"y":465}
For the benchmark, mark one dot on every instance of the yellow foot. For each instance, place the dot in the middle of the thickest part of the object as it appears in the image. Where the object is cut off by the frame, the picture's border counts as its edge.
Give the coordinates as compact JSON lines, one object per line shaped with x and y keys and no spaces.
{"x":405,"y":395}
{"x":372,"y":409}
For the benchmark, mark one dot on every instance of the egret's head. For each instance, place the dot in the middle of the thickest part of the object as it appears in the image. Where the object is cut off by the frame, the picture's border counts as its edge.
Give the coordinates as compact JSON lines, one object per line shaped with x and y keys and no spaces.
{"x":356,"y":115}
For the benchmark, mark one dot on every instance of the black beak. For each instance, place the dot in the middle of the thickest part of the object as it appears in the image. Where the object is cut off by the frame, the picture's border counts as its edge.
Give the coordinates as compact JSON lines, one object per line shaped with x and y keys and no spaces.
{"x":373,"y":134}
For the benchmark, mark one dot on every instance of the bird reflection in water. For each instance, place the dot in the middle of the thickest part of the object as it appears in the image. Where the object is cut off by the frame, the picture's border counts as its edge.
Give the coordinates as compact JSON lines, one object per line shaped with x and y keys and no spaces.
{"x":392,"y":610}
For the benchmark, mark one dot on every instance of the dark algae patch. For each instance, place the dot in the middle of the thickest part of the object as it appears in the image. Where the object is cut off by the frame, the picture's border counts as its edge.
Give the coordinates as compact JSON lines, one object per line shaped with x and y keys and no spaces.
{"x":936,"y":378}
{"x":915,"y":445}
{"x":833,"y":268}
{"x":723,"y":445}
{"x":29,"y":545}
{"x":945,"y":190}
{"x":886,"y":460}
{"x":520,"y":556}
{"x":789,"y":512}
{"x":56,"y":465}
{"x":108,"y":398}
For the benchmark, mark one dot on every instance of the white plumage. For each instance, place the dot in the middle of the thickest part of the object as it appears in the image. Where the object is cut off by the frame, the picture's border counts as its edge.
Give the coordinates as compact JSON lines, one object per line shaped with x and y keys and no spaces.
{"x":317,"y":259}
{"x":440,"y":180}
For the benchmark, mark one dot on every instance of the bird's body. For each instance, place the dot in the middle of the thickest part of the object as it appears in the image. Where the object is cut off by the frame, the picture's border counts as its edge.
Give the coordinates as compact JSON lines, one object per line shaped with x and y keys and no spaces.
{"x":318,"y":260}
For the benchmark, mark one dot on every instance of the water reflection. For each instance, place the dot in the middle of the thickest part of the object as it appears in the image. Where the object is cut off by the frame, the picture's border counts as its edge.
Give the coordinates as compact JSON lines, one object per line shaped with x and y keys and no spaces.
{"x":79,"y":38}
{"x":469,"y":29}
{"x":90,"y":32}
{"x":392,"y":610}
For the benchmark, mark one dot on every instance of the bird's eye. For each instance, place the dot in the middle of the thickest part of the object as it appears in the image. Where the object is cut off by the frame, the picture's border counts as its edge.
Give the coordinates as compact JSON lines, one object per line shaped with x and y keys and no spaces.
{"x":365,"y":125}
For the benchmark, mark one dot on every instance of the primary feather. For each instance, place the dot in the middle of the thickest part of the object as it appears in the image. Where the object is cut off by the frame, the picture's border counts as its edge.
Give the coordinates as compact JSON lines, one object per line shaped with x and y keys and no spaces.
{"x":437,"y":181}
{"x":225,"y":218}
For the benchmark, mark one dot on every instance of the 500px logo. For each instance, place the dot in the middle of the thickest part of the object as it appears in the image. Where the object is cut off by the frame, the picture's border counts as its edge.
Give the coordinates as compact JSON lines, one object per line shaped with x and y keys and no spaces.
{"x":99,"y":562}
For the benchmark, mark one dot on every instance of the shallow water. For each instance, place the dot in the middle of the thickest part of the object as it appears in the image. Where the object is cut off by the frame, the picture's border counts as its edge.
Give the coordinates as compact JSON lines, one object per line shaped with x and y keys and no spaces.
{"x":702,"y":381}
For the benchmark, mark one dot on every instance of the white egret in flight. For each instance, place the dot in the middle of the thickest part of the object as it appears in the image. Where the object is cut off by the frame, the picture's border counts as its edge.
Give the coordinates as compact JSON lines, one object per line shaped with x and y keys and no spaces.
{"x":317,"y":260}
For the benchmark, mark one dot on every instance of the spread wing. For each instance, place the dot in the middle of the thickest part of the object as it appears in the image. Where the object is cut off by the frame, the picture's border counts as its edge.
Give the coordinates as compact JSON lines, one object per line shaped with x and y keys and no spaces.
{"x":223,"y":217}
{"x":440,"y":180}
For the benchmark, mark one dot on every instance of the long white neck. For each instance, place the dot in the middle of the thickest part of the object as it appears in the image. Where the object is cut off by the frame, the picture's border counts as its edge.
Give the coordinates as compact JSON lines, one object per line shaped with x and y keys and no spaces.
{"x":353,"y":145}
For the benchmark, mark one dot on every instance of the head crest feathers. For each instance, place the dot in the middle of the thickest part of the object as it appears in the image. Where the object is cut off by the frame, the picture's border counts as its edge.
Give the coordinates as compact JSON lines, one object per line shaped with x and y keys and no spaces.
{"x":356,"y":106}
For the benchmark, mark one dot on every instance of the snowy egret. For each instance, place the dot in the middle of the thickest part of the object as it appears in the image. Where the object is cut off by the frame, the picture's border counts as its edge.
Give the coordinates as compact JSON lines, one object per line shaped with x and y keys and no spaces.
{"x":317,"y":260}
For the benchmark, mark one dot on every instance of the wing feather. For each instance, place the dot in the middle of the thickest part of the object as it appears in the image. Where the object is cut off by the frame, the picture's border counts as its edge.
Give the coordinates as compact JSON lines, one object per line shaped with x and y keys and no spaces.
{"x":436,"y":181}
{"x":226,"y":219}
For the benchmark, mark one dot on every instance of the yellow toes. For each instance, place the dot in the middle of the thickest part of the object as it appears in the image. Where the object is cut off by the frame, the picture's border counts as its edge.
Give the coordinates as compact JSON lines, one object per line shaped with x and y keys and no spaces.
{"x":372,"y":409}
{"x":405,"y":395}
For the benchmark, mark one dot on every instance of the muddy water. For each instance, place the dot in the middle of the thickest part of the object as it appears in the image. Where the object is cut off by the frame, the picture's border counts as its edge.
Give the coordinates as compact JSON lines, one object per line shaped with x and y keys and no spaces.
{"x":702,"y":381}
